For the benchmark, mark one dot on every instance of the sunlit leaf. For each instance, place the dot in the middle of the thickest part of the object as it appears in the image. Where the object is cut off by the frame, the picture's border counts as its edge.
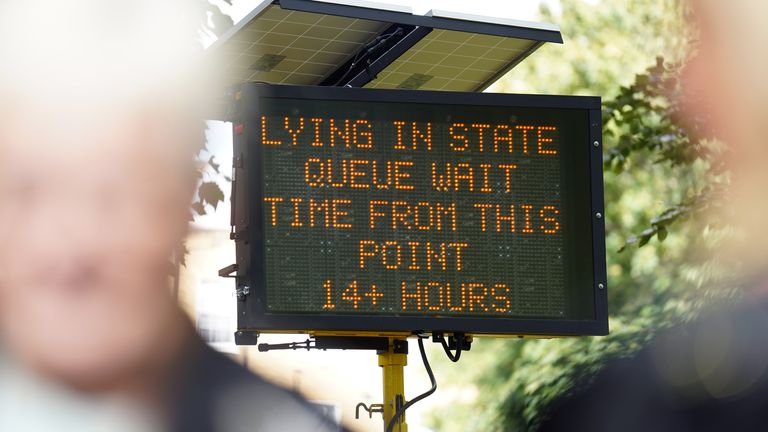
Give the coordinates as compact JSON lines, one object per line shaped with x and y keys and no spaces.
{"x":211,"y":194}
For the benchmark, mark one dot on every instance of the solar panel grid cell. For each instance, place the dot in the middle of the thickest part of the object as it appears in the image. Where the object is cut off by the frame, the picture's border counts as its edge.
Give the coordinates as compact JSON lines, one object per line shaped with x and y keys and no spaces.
{"x":308,"y":46}
{"x":457,"y":61}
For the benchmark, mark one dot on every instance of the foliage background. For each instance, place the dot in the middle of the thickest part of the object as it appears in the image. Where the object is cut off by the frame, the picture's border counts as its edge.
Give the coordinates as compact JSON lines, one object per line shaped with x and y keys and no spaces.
{"x":659,"y":173}
{"x":214,"y":23}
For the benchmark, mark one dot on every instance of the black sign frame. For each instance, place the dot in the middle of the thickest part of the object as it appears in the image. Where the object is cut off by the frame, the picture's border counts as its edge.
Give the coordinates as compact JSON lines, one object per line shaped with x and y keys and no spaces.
{"x":248,"y":231}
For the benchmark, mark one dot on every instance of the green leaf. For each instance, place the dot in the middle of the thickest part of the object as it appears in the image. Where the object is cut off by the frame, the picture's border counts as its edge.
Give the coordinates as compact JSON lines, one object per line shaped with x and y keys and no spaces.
{"x":213,"y":165}
{"x":221,"y":22}
{"x":210,"y":194}
{"x":198,"y":207}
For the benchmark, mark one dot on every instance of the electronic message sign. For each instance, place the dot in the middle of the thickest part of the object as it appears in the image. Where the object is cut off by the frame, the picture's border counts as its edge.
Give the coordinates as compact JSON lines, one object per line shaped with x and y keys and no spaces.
{"x":358,"y":210}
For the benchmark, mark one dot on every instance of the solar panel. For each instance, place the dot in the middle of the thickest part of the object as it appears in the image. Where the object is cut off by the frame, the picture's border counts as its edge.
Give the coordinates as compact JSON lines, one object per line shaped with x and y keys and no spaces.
{"x":373,"y":44}
{"x":452,"y":60}
{"x":290,"y":47}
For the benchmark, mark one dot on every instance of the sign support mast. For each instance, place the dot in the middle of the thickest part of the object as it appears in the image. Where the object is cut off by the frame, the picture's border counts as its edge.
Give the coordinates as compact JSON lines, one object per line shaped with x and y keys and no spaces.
{"x":393,"y":362}
{"x":393,"y":357}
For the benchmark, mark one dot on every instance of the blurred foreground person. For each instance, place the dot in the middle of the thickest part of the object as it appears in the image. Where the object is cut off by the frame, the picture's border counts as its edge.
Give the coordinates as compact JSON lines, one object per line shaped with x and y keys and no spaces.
{"x":711,"y":375}
{"x":97,"y":171}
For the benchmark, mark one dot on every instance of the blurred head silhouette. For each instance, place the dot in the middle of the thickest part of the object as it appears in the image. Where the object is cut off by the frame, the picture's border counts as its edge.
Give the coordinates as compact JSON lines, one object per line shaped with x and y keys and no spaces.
{"x":97,"y":146}
{"x":726,"y":84}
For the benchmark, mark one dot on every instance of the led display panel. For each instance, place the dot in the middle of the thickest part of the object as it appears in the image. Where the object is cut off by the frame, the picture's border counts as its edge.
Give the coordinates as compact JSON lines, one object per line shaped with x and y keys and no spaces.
{"x":360,"y":210}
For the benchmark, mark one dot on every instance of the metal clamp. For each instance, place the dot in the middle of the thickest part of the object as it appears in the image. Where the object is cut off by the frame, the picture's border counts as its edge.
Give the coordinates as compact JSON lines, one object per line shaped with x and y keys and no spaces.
{"x":374,"y":408}
{"x":227,"y":271}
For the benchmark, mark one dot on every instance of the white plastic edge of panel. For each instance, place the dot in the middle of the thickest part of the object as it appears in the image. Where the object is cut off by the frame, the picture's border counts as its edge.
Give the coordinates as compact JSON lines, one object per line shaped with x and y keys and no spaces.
{"x":442,"y":13}
{"x":372,"y":5}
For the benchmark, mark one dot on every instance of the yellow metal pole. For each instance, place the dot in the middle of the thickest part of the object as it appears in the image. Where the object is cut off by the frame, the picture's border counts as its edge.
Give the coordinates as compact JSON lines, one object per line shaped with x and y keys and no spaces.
{"x":392,"y":365}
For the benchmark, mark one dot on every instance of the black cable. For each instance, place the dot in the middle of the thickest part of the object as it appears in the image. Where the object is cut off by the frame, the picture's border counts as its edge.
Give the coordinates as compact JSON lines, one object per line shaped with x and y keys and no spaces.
{"x":367,"y":50}
{"x":453,"y":357}
{"x":399,"y":413}
{"x":351,"y":67}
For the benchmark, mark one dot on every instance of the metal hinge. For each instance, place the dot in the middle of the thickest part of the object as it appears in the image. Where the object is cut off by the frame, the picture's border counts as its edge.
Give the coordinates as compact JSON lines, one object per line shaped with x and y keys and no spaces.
{"x":228,"y":270}
{"x":238,"y":235}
